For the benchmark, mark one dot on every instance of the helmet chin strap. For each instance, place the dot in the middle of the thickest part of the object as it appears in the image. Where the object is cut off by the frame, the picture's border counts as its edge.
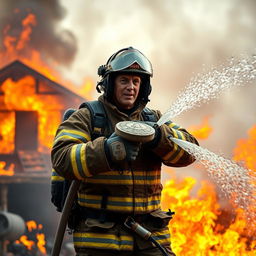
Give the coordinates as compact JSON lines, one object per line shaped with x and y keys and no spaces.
{"x":99,"y":86}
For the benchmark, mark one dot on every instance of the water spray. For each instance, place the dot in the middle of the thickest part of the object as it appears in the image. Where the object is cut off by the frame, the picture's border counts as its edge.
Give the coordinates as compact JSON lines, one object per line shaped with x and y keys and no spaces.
{"x":236,"y":182}
{"x":210,"y":85}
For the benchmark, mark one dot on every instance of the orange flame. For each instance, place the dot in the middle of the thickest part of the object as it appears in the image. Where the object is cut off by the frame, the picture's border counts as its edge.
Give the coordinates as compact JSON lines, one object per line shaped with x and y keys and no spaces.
{"x":201,"y":131}
{"x":7,"y":128}
{"x":15,"y":48}
{"x":28,"y":243}
{"x":196,"y":227}
{"x":86,"y":88}
{"x":31,"y":225}
{"x":25,"y":34}
{"x":245,"y":150}
{"x":18,"y":48}
{"x":40,"y":237}
{"x":21,"y":95}
{"x":41,"y":242}
{"x":6,"y":172}
{"x":13,"y":44}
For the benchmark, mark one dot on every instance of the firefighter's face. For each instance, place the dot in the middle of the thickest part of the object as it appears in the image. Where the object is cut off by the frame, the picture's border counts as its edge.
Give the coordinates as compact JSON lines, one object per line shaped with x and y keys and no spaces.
{"x":126,"y":90}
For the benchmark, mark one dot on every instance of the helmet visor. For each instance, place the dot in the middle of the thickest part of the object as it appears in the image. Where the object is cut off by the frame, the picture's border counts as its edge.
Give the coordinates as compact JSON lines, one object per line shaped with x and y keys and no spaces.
{"x":125,"y":60}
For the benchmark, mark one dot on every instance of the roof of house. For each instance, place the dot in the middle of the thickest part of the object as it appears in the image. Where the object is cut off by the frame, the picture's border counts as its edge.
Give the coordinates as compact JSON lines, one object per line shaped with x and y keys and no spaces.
{"x":17,"y":70}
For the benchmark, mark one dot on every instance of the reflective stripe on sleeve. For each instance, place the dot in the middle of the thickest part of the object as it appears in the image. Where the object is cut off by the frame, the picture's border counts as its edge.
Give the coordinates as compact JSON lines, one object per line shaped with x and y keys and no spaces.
{"x":73,"y":135}
{"x":177,"y":152}
{"x":55,"y":176}
{"x":78,"y":161}
{"x":174,"y":126}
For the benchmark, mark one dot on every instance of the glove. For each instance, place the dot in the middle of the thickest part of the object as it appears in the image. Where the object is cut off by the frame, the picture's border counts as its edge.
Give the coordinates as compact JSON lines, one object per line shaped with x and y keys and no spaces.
{"x":153,"y":143}
{"x":119,"y":150}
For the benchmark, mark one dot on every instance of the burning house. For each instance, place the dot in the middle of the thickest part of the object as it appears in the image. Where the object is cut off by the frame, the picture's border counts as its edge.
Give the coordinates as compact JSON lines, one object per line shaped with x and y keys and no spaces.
{"x":31,"y":107}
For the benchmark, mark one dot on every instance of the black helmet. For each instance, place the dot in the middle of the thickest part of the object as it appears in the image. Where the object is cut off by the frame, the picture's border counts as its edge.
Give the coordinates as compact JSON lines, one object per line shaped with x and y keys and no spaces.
{"x":128,"y":60}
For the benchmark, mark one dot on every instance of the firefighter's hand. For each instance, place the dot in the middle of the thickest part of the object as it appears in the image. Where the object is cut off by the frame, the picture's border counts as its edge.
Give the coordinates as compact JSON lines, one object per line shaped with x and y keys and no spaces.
{"x":119,"y":149}
{"x":153,"y":143}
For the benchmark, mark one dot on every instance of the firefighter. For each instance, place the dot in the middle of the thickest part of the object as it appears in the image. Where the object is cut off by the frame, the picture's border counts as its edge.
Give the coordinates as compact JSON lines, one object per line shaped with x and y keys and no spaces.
{"x":119,"y":178}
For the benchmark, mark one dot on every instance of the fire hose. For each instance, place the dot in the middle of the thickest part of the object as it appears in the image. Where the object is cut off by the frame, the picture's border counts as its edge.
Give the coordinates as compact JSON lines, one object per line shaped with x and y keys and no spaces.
{"x":131,"y":130}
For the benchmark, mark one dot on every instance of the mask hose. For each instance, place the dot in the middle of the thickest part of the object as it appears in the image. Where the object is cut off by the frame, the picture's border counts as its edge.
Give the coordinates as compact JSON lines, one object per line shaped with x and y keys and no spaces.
{"x":131,"y":224}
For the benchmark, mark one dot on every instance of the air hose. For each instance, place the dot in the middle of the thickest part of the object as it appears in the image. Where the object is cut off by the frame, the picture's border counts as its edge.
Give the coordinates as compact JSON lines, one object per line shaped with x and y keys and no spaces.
{"x":131,"y":224}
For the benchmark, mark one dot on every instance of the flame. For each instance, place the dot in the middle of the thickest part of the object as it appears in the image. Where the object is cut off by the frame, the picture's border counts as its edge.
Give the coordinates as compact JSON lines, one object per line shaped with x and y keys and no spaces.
{"x":31,"y":225}
{"x":245,"y":150}
{"x":41,"y":242}
{"x":196,"y":227}
{"x":28,"y":243}
{"x":21,"y":95}
{"x":39,"y":237}
{"x":201,"y":131}
{"x":18,"y":48}
{"x":86,"y":88}
{"x":6,"y":172}
{"x":29,"y":21}
{"x":7,"y":128}
{"x":13,"y":44}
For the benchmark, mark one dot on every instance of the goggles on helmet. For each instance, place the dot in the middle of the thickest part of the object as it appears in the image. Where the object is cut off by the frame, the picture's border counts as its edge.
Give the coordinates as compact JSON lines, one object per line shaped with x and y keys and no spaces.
{"x":131,"y":60}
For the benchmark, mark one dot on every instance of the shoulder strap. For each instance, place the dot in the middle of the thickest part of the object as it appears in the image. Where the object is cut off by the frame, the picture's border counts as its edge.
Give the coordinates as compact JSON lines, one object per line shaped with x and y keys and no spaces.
{"x":149,"y":115}
{"x":99,"y":117}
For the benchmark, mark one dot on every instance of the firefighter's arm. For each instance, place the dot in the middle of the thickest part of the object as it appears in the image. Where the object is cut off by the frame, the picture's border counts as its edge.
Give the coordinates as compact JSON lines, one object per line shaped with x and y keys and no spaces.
{"x":74,"y":155}
{"x":170,"y":153}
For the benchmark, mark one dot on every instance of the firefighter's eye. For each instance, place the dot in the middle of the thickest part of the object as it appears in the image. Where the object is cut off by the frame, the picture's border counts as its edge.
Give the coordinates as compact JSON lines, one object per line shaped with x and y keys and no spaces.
{"x":123,"y":80}
{"x":136,"y":81}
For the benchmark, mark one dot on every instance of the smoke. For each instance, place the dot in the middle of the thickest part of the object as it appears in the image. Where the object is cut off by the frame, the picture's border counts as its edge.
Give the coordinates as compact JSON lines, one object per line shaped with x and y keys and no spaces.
{"x":178,"y":36}
{"x":182,"y":39}
{"x":53,"y":42}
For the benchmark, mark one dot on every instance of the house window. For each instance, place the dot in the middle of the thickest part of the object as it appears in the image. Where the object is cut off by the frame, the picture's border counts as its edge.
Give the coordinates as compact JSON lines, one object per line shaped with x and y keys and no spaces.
{"x":26,"y":130}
